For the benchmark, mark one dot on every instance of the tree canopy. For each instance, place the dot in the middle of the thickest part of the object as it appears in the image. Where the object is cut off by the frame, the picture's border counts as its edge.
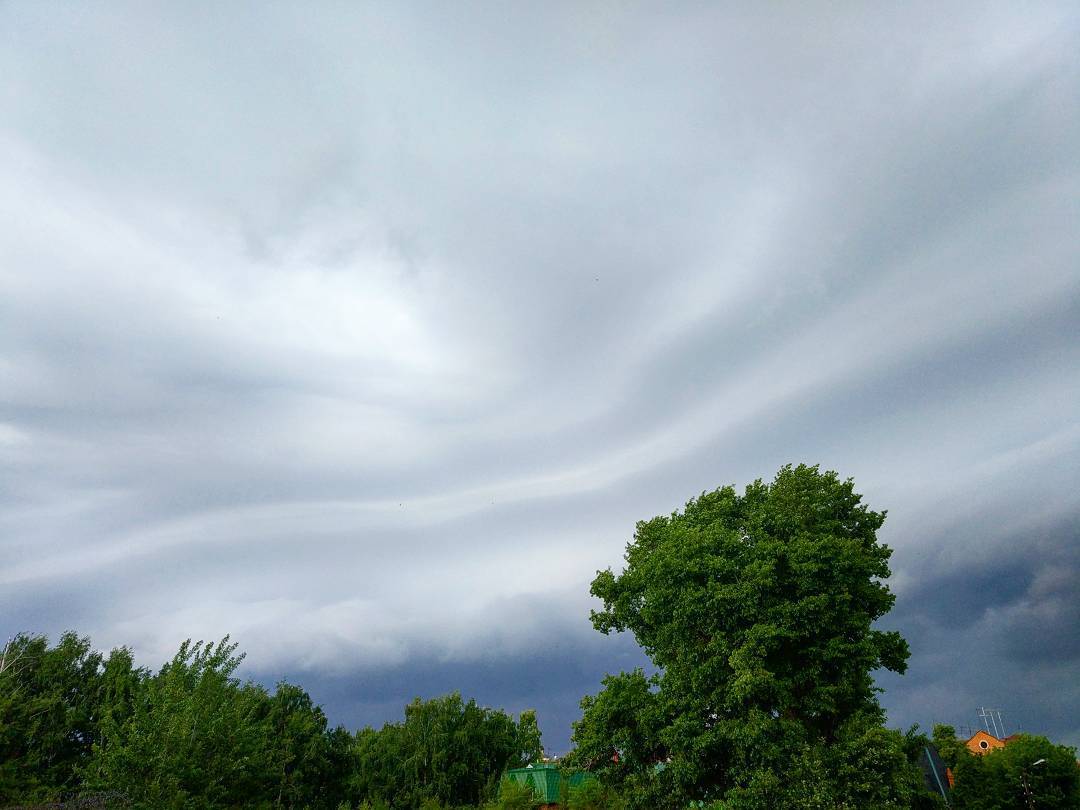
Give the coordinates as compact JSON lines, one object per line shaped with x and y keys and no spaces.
{"x":447,"y":750}
{"x":758,"y":613}
{"x":74,"y":723}
{"x":1029,"y":771}
{"x":49,"y":700}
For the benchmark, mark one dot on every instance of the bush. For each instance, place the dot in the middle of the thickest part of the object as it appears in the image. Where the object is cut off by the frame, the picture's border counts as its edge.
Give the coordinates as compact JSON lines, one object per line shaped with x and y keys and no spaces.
{"x":514,"y":796}
{"x":592,"y":795}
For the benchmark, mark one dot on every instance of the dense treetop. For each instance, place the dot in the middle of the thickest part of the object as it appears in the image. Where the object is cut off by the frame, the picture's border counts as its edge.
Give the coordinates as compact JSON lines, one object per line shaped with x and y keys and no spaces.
{"x":757,"y":610}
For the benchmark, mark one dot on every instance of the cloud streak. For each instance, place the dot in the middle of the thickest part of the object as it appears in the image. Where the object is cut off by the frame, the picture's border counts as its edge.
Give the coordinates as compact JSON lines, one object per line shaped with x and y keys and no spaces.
{"x":367,"y":334}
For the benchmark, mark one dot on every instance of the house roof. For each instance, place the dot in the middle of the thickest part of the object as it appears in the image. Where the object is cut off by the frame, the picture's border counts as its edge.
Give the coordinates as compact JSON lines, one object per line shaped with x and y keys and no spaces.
{"x":935,"y":774}
{"x":982,"y":742}
{"x":546,"y":778}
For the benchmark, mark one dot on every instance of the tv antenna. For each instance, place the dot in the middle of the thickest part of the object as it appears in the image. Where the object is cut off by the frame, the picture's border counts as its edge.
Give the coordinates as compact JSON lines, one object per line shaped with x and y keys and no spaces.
{"x":992,"y":718}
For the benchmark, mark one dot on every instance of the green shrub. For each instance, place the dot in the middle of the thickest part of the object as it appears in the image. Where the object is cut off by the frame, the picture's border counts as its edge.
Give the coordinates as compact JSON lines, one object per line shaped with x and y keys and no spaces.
{"x":514,"y":796}
{"x":592,"y":795}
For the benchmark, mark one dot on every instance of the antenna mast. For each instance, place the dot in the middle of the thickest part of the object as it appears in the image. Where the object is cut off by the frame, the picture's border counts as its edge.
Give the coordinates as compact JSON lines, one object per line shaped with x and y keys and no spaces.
{"x":992,"y":717}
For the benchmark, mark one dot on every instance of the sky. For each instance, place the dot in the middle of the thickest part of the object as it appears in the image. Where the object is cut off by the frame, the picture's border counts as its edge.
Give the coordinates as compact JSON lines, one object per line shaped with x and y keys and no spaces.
{"x":365,"y":333}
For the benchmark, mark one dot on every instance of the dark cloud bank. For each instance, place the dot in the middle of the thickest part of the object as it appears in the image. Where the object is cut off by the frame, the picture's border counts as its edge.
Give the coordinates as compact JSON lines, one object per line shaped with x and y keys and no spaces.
{"x":366,"y":334}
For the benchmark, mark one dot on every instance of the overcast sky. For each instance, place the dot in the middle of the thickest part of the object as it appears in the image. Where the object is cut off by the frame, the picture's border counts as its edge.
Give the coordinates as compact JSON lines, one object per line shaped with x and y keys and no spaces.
{"x":366,"y":333}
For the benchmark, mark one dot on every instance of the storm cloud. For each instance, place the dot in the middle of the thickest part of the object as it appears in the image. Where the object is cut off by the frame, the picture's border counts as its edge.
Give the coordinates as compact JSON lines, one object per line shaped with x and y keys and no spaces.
{"x":365,"y":333}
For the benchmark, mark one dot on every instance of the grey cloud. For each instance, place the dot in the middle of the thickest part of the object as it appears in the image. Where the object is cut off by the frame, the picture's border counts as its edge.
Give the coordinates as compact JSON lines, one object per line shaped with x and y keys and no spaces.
{"x":1000,"y":632}
{"x":552,"y":680}
{"x":366,"y":334}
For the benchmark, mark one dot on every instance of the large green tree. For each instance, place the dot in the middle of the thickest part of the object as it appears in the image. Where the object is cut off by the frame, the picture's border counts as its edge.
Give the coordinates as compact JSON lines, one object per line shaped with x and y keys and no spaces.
{"x":758,"y":612}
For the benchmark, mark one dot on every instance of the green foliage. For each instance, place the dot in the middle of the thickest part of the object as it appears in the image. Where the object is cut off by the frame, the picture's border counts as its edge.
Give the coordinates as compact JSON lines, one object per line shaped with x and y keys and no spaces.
{"x":529,"y":747}
{"x":514,"y":796}
{"x":758,"y":611}
{"x":446,"y":749}
{"x":996,"y":781}
{"x":619,"y":732}
{"x":306,"y":761}
{"x":619,"y":740}
{"x":869,"y":766}
{"x":194,"y":736}
{"x":51,"y":702}
{"x":865,"y":767}
{"x":592,"y":795}
{"x":915,"y":747}
{"x":949,"y":746}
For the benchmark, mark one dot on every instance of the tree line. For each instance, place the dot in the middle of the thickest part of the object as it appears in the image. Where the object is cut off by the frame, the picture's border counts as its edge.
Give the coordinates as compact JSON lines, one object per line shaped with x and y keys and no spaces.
{"x":757,"y":609}
{"x":192,"y":735}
